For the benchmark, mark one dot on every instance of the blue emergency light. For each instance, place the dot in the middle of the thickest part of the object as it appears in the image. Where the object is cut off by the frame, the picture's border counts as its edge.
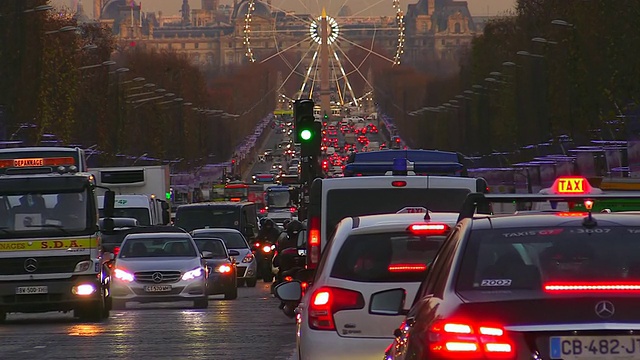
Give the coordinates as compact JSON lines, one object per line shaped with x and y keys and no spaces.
{"x":421,"y":162}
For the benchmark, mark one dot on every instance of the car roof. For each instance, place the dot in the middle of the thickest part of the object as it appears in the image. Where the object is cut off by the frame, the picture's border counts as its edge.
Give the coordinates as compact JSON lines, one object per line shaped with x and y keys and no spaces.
{"x":549,"y":219}
{"x":399,"y":222}
{"x":176,"y":235}
{"x":217,"y":230}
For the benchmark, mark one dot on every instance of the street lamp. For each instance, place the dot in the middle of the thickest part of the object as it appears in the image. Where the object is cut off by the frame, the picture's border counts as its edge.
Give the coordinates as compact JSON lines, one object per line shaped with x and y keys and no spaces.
{"x":544,"y":41}
{"x":561,"y":22}
{"x":140,"y":157}
{"x":63,"y":29}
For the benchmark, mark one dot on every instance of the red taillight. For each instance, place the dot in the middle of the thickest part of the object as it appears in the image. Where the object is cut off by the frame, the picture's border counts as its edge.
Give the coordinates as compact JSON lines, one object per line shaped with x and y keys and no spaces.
{"x":463,"y":340}
{"x":263,"y":211}
{"x":426,"y":229}
{"x":116,"y":250}
{"x":407,"y":267}
{"x":257,"y":244}
{"x":399,"y":183}
{"x":587,"y":287}
{"x":314,"y":242}
{"x":327,"y":301}
{"x":288,"y":278}
{"x":293,"y":209}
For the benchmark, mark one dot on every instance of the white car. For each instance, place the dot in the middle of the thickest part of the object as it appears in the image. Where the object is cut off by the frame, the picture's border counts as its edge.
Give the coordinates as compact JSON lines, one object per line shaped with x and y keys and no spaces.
{"x":368,"y":254}
{"x":159,"y":267}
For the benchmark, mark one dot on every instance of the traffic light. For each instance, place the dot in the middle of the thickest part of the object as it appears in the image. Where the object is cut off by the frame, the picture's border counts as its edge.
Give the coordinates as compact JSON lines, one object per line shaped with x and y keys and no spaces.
{"x":308,"y":130}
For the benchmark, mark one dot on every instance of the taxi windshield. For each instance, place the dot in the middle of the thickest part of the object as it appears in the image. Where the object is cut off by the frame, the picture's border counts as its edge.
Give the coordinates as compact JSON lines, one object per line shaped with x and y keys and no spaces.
{"x":41,"y":212}
{"x":544,"y":258}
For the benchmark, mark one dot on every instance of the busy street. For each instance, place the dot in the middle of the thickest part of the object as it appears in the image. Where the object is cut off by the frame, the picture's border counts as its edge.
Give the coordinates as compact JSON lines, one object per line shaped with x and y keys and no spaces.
{"x":242,"y":328}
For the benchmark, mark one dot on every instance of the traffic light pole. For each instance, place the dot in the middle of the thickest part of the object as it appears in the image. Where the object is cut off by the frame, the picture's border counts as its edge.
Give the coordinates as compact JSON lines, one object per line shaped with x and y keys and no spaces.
{"x":308,"y":132}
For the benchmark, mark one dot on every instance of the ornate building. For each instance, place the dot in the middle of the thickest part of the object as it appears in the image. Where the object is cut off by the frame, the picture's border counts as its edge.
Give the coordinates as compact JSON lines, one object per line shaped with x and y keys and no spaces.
{"x":214,"y":35}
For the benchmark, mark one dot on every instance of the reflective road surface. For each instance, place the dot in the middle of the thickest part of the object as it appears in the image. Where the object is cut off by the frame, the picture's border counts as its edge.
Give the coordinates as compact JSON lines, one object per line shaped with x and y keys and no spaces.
{"x":250,"y":327}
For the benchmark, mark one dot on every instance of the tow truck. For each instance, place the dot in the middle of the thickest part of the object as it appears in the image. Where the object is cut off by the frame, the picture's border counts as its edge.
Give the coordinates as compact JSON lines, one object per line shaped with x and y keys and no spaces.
{"x":50,"y":249}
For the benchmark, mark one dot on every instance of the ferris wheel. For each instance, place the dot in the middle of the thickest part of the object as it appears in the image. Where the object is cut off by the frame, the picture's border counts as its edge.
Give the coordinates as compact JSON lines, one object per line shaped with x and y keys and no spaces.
{"x":356,"y":40}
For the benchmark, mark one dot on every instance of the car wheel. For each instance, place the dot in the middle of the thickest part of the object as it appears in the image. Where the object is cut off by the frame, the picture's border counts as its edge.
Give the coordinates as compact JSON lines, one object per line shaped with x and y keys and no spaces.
{"x":118,"y":304}
{"x":240,"y":282}
{"x":231,"y":293}
{"x":201,"y":303}
{"x":252,"y":282}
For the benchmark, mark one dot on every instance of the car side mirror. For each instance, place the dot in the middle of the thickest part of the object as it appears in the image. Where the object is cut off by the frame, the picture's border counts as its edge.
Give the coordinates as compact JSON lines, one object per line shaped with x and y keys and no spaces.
{"x":289,"y":291}
{"x":207,"y":255}
{"x":234,"y":253}
{"x":108,"y":256}
{"x":388,"y":302}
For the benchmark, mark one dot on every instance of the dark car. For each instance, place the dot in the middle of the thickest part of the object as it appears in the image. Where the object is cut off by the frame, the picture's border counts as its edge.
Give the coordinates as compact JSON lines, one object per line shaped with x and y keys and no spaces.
{"x":111,"y":240}
{"x":539,"y":285}
{"x":234,"y":240}
{"x":222,"y":270}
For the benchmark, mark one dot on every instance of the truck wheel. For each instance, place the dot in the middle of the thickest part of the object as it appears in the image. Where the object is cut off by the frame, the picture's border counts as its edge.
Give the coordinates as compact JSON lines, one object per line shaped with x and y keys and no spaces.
{"x":231,"y":293}
{"x":202,"y":303}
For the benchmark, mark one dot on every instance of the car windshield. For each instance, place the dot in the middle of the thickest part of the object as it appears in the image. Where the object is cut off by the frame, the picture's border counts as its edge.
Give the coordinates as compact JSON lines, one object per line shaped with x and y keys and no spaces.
{"x":385,"y":257}
{"x":48,"y":212}
{"x":214,"y":246}
{"x":207,"y":217}
{"x":360,"y":202}
{"x":140,"y":214}
{"x":535,"y":258}
{"x":232,"y":240}
{"x":278,"y":199}
{"x":157,"y":247}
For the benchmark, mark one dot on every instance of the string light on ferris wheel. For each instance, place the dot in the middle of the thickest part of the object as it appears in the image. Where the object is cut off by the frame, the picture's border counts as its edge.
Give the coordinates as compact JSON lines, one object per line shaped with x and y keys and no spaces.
{"x":333,"y":34}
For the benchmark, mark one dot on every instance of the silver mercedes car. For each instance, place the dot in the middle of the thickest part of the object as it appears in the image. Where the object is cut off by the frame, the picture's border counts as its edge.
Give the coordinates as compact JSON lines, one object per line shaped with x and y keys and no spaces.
{"x":159,"y":267}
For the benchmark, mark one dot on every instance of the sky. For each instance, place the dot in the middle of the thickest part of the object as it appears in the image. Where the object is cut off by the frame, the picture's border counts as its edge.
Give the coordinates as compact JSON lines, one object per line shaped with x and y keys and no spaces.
{"x":382,"y":7}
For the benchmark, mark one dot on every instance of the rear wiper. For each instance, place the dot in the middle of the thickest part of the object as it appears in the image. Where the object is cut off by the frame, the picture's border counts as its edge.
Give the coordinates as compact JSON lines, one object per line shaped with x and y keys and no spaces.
{"x":55,"y":226}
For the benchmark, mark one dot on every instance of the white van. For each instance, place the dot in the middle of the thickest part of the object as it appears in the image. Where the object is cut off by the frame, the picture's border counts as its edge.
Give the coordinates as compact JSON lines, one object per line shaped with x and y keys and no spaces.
{"x":333,"y":199}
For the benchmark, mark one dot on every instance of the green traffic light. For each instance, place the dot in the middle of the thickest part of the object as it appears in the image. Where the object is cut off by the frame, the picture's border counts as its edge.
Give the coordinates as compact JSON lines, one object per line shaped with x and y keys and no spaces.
{"x":305,"y":134}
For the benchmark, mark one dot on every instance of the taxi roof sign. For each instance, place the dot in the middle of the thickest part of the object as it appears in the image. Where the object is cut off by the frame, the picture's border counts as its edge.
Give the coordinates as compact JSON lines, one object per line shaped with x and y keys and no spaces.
{"x":572,"y":185}
{"x":412,"y":210}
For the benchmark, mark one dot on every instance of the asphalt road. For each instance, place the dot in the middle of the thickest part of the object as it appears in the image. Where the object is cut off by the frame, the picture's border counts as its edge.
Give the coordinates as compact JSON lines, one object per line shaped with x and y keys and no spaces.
{"x":250,"y":327}
{"x":270,"y":143}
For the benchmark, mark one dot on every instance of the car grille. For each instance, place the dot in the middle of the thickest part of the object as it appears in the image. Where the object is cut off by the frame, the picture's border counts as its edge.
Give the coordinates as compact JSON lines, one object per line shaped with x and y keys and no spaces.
{"x":241,"y":271}
{"x":43,"y":265}
{"x":147,"y":277}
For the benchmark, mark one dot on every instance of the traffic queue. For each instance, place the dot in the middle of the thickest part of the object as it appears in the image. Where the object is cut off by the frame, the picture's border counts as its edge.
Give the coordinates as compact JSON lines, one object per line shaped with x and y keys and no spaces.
{"x":551,"y":280}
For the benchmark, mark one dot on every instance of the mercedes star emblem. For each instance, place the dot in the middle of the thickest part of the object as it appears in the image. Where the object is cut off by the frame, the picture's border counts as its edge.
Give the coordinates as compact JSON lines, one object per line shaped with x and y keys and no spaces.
{"x":156,"y":277}
{"x":31,"y":265}
{"x":605,"y":309}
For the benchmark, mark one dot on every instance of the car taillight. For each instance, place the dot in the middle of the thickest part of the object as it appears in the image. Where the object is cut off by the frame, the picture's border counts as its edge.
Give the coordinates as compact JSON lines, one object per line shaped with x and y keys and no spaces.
{"x":398,"y":183}
{"x":293,"y":209}
{"x":326,"y":301}
{"x":428,"y":229}
{"x":116,"y":250}
{"x":464,"y":340}
{"x":314,"y":242}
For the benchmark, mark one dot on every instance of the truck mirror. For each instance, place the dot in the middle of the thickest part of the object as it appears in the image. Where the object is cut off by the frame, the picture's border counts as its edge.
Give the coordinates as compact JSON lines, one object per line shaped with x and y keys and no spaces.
{"x":108,"y":225}
{"x":109,"y":203}
{"x":166,"y":213}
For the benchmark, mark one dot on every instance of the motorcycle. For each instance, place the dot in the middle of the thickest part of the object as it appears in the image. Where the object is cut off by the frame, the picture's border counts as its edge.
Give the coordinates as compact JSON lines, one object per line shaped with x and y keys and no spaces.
{"x":292,"y":269}
{"x":263,"y":252}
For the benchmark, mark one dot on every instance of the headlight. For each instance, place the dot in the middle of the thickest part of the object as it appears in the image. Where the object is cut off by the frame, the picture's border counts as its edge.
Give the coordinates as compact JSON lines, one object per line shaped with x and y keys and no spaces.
{"x":192,"y":274}
{"x":223,"y":269}
{"x":83,"y":266}
{"x":266,"y":248}
{"x":123,"y":275}
{"x":248,"y":258}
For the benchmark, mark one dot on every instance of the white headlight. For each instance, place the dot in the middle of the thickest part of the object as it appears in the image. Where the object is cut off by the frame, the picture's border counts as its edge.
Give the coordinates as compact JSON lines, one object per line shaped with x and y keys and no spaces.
{"x":192,"y":274}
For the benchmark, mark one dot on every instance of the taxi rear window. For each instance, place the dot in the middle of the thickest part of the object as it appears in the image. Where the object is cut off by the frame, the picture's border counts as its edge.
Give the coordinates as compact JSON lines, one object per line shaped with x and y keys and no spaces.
{"x":385,"y":257}
{"x":549,"y":259}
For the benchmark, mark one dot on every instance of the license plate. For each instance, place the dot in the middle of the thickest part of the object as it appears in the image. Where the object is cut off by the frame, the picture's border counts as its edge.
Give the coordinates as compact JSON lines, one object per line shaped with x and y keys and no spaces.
{"x":28,"y":290}
{"x":157,"y":288}
{"x":595,"y":347}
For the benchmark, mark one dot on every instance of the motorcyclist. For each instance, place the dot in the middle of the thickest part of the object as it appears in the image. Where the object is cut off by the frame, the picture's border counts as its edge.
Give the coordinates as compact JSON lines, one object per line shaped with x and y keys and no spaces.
{"x":287,"y":250}
{"x":268,"y":232}
{"x":290,"y":240}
